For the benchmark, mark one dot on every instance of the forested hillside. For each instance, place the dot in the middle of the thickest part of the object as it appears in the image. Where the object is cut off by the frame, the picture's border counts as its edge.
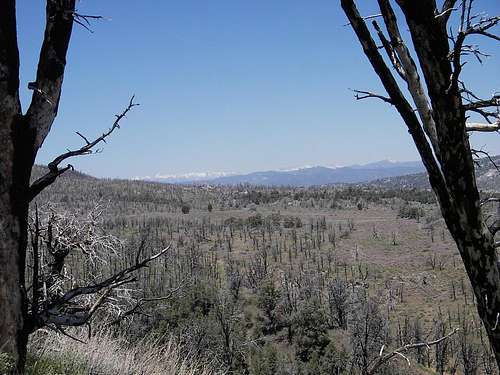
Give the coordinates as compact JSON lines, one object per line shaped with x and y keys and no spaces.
{"x":185,"y":267}
{"x":323,"y":280}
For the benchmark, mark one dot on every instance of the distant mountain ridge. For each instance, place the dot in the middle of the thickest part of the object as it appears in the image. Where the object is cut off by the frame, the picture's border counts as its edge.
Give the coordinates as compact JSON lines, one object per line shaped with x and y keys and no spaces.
{"x":487,"y":177}
{"x":309,"y":176}
{"x":384,"y":174}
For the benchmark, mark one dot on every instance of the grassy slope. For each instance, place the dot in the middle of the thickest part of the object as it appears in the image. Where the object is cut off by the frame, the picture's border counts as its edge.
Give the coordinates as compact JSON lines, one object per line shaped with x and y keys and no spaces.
{"x":103,"y":354}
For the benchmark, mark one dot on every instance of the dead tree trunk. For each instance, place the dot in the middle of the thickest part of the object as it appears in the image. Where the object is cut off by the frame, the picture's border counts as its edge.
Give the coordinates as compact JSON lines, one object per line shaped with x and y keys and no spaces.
{"x":438,"y":126}
{"x":14,"y":182}
{"x":21,"y":135}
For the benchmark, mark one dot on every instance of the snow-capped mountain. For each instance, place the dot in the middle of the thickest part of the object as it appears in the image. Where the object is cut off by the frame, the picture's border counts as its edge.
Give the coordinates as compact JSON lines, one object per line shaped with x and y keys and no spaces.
{"x":305,"y":176}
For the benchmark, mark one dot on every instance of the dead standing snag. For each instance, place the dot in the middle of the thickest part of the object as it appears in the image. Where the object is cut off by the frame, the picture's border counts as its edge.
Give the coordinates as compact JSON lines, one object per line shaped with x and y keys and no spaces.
{"x":21,"y":136}
{"x":439,"y":127}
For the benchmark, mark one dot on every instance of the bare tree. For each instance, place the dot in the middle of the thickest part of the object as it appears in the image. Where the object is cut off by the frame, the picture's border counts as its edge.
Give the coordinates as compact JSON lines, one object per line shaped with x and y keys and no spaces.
{"x":437,"y":122}
{"x":400,"y":352}
{"x":22,"y":134}
{"x":227,"y":318}
{"x":369,"y":332}
{"x":338,"y":300}
{"x":68,"y":253}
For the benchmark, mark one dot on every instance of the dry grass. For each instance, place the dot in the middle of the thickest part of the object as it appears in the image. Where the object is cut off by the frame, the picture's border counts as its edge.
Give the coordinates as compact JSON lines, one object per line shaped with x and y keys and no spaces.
{"x":102,"y":354}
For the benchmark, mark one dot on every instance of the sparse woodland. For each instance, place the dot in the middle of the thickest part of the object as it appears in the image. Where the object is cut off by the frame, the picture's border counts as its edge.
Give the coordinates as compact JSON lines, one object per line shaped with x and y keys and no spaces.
{"x":128,"y":277}
{"x":428,"y":90}
{"x":332,"y":280}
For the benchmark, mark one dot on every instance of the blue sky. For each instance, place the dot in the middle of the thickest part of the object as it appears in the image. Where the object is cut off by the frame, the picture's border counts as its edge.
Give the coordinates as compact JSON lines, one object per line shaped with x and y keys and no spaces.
{"x":224,"y":85}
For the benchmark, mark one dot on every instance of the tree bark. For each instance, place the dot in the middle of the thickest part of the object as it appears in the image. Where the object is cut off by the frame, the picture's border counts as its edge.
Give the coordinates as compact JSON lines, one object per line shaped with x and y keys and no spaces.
{"x":12,"y":217}
{"x":467,"y":226}
{"x":14,"y":184}
{"x":20,"y":138}
{"x":448,"y":157}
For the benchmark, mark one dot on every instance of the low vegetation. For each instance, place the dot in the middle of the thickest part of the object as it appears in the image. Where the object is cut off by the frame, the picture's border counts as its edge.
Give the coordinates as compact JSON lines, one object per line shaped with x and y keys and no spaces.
{"x":107,"y":354}
{"x":326,"y":280}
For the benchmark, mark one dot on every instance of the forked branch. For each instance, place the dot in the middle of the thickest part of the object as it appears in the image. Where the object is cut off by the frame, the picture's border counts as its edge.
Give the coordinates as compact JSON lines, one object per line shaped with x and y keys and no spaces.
{"x":360,"y":95}
{"x":141,"y":303}
{"x":63,"y":311}
{"x":54,"y":170}
{"x":382,"y":359}
{"x":397,"y":97}
{"x":446,"y":10}
{"x":482,"y":27}
{"x":84,"y":20}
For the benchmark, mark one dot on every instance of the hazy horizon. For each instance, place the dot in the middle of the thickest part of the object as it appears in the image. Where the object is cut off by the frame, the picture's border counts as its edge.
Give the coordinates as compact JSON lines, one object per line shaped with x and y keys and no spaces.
{"x":231,"y":87}
{"x":215,"y":173}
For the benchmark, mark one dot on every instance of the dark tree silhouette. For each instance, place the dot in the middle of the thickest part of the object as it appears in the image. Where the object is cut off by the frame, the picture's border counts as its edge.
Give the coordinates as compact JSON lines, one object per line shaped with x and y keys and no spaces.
{"x":439,"y":125}
{"x":21,"y":136}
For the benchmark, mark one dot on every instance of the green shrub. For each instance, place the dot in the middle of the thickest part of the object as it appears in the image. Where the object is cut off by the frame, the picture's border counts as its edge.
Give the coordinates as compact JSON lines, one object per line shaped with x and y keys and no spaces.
{"x":264,"y":361}
{"x":292,"y":222}
{"x":55,"y":365}
{"x":310,"y":325}
{"x":7,"y":363}
{"x":274,"y":219}
{"x":267,"y":300}
{"x":255,"y":221}
{"x":408,"y":211}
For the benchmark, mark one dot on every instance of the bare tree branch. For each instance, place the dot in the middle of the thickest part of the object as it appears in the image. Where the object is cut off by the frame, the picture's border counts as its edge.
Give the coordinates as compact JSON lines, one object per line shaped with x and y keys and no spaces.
{"x":478,"y":127}
{"x":84,"y":20}
{"x":495,"y":227}
{"x":467,"y":29}
{"x":450,"y":166}
{"x":482,"y":107}
{"x":111,"y":281}
{"x":400,"y":102}
{"x":382,"y":359}
{"x":393,"y":57}
{"x":411,"y":75}
{"x":140,"y":304}
{"x":59,"y":313}
{"x":50,"y":73}
{"x":366,"y":18}
{"x":54,"y":171}
{"x":360,"y":95}
{"x":446,"y":10}
{"x":480,"y":154}
{"x":489,"y":200}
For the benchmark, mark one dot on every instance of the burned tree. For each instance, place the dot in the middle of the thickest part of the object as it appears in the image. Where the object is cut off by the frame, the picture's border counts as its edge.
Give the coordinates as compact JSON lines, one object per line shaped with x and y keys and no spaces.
{"x":22,"y":134}
{"x":66,"y":257}
{"x":436,"y":112}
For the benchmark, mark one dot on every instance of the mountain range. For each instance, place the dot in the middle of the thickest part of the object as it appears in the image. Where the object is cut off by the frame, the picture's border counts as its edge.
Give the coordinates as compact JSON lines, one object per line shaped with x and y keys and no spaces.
{"x":487,"y":177}
{"x":383,"y":174}
{"x":307,"y":176}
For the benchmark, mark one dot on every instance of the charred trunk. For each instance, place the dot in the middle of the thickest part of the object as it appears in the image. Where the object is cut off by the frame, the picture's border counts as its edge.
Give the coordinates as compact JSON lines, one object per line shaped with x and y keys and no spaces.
{"x":15,"y":170}
{"x":479,"y":257}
